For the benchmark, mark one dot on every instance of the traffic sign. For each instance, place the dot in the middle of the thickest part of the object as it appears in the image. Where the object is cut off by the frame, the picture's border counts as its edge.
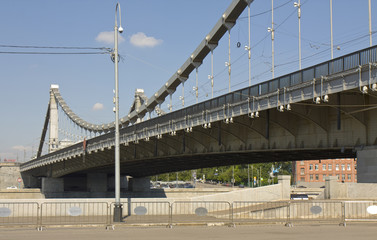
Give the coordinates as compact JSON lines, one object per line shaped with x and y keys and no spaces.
{"x":19,"y":179}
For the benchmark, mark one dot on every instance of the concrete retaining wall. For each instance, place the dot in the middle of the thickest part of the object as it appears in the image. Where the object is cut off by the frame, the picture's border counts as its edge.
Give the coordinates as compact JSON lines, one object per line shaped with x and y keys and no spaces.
{"x":9,"y":173}
{"x":280,"y":191}
{"x":338,"y":190}
{"x":21,"y":194}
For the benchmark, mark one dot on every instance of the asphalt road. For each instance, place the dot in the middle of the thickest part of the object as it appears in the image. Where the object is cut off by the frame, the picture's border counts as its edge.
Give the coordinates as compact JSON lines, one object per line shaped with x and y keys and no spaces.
{"x":363,"y":231}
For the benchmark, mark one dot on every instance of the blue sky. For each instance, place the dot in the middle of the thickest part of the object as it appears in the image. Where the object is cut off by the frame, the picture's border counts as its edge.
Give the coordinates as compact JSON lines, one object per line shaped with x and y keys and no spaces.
{"x":158,"y":37}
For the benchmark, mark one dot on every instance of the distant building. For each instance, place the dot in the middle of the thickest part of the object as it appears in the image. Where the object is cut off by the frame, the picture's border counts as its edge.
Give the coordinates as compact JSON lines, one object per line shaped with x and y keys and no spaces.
{"x":9,"y":160}
{"x":317,"y":170}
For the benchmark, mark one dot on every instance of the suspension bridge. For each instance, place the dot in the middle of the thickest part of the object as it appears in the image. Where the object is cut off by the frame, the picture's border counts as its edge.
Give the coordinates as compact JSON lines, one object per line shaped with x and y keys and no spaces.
{"x":323,"y":111}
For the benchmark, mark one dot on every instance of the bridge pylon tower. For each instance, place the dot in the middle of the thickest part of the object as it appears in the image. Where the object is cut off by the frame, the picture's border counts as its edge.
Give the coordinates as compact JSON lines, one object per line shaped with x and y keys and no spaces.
{"x":53,"y":143}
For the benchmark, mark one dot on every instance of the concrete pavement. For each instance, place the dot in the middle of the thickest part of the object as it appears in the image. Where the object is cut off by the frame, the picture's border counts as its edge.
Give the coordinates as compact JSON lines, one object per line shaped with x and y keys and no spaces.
{"x":355,"y":231}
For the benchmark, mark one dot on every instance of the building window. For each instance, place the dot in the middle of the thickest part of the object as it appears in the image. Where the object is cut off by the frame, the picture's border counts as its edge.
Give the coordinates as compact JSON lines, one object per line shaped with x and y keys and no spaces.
{"x":343,"y":177}
{"x":302,"y":163}
{"x":310,"y":166}
{"x":349,"y":177}
{"x":330,"y":175}
{"x":337,"y":176}
{"x":337,"y":167}
{"x":303,"y":179}
{"x":343,"y":167}
{"x":302,"y":171}
{"x":316,"y":177}
{"x":324,"y":167}
{"x":311,"y":177}
{"x":330,"y":167}
{"x":316,"y":167}
{"x":348,"y":167}
{"x":323,"y":177}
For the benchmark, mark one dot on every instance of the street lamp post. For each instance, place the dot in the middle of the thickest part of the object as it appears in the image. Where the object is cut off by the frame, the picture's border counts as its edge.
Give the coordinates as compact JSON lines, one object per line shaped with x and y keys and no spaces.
{"x":370,"y":23}
{"x":298,"y":5}
{"x":331,"y":32}
{"x":118,"y":205}
{"x":272,"y":31}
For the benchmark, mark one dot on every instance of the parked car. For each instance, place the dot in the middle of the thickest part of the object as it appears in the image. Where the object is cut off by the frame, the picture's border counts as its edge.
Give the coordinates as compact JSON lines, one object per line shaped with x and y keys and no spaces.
{"x":12,"y":187}
{"x":299,"y":197}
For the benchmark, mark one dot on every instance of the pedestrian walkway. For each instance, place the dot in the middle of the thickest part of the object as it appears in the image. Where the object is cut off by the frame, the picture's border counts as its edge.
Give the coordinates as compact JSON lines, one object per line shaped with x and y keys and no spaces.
{"x":363,"y":231}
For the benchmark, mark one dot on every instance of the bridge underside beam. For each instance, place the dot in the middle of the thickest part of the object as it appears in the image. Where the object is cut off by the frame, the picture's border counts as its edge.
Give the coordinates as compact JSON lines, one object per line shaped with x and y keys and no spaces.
{"x":155,"y":166}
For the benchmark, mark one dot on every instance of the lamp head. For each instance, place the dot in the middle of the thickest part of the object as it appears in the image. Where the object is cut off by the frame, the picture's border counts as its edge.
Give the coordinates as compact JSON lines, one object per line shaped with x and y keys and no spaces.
{"x":120,"y":29}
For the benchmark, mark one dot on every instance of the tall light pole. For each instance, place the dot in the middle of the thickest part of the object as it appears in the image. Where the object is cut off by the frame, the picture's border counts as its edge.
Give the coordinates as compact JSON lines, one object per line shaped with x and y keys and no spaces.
{"x":332,"y":41}
{"x":248,"y":175}
{"x":228,"y":64}
{"x":233,"y":176}
{"x":370,"y":24}
{"x":248,"y":47}
{"x":272,"y":31}
{"x":298,"y":5}
{"x":118,"y":205}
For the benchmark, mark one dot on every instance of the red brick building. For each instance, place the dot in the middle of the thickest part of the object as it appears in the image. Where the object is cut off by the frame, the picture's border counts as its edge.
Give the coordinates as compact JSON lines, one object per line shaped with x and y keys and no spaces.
{"x":317,"y":170}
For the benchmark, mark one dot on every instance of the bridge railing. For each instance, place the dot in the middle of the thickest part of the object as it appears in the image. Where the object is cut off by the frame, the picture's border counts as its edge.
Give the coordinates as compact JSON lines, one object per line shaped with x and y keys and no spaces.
{"x":340,"y":64}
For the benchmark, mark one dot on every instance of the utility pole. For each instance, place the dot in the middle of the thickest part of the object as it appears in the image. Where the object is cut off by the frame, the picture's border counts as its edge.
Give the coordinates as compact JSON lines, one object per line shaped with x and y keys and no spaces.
{"x":252,"y":176}
{"x":370,"y":23}
{"x":118,"y":205}
{"x":249,"y":46}
{"x":332,"y":41}
{"x":233,"y":176}
{"x":272,"y":31}
{"x":248,"y":175}
{"x":298,"y":5}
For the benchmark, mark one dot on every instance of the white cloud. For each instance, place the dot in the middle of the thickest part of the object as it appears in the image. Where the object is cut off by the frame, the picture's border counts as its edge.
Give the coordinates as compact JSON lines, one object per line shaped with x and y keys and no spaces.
{"x":108,"y":37}
{"x":141,"y":40}
{"x":97,"y":106}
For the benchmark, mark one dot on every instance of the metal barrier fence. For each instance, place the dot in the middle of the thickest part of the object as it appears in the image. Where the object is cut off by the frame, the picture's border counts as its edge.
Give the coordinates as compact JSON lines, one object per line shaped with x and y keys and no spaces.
{"x":318,"y":211}
{"x":203,"y":212}
{"x":145,"y":213}
{"x":19,"y":213}
{"x":360,"y":211}
{"x":74,"y":213}
{"x":260,"y":211}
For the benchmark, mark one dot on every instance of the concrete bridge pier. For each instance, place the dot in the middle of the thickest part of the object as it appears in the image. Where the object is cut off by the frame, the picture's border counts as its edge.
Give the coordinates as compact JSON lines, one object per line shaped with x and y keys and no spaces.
{"x":29,"y":181}
{"x":367,"y":165}
{"x":124,"y":185}
{"x":96,"y":182}
{"x":139,"y":184}
{"x":52,"y":185}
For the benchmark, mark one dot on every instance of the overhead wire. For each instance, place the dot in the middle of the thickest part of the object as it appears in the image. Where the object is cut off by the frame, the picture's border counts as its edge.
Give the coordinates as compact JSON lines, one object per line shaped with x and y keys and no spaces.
{"x":53,"y":53}
{"x":105,"y":50}
{"x":267,"y":11}
{"x":264,"y":38}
